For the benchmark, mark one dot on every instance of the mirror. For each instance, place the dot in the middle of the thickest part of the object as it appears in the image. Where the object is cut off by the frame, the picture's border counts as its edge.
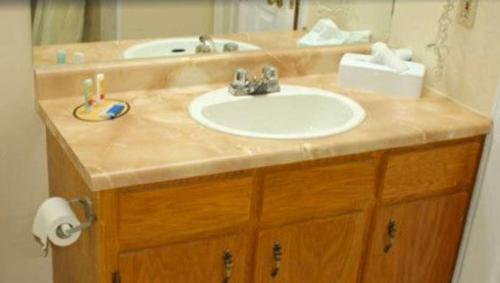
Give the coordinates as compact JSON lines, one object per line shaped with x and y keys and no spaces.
{"x":81,"y":31}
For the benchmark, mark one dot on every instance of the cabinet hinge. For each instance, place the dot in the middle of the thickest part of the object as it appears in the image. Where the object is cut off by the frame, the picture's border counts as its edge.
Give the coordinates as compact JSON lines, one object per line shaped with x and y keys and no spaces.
{"x":115,"y":277}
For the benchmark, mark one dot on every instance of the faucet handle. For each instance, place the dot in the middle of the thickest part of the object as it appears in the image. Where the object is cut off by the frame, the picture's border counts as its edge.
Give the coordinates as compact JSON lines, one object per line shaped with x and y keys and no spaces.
{"x":240,"y":78}
{"x":230,"y":47}
{"x":270,"y":73}
{"x":240,"y":84}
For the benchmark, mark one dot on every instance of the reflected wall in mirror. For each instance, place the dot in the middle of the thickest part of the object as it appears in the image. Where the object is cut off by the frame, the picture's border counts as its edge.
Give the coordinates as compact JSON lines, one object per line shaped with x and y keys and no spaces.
{"x":79,"y":31}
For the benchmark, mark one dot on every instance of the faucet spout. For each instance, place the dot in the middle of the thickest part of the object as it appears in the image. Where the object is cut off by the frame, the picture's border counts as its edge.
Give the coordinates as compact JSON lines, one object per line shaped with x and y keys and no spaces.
{"x":207,"y":45}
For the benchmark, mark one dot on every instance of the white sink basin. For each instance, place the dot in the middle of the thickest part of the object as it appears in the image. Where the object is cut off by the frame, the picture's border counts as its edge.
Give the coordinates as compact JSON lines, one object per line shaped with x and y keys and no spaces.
{"x":177,"y":46}
{"x":294,"y":113}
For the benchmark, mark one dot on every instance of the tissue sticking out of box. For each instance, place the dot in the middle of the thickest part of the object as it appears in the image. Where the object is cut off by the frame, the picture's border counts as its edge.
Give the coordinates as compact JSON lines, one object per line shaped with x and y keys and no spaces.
{"x":381,"y":54}
{"x":359,"y":72}
{"x":404,"y":54}
{"x":326,"y":32}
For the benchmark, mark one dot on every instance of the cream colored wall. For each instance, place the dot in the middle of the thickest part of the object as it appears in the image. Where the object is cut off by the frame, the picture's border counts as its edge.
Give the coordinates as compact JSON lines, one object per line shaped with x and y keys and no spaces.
{"x":23,"y":173}
{"x":374,"y":15}
{"x":147,"y":19}
{"x":472,"y":70}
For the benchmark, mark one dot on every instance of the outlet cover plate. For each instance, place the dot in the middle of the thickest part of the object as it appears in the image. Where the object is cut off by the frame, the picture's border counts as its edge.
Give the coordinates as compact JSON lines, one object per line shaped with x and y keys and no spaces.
{"x":467,"y":12}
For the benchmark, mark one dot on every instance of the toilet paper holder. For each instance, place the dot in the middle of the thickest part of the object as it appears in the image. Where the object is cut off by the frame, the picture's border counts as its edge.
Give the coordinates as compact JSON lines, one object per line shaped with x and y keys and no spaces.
{"x":65,"y":231}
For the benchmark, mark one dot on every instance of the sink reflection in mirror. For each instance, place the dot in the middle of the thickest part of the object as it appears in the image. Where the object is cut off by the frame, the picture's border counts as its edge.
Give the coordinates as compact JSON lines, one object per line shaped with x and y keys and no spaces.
{"x":182,"y":46}
{"x":293,"y":113}
{"x":133,"y":29}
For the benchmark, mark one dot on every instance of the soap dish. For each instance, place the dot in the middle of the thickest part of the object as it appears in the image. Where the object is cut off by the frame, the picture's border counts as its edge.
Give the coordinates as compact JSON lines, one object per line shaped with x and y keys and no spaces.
{"x":95,"y":115}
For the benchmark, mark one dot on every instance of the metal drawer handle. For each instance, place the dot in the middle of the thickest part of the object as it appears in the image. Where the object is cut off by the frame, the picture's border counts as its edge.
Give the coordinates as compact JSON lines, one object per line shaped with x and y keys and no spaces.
{"x":391,"y":233}
{"x":228,"y":266}
{"x":277,"y":254}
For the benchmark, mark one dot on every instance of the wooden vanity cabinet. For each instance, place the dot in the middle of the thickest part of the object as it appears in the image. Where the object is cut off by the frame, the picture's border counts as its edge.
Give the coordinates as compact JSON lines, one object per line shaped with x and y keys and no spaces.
{"x":388,"y":216}
{"x":418,"y":225}
{"x":313,"y":220}
{"x":418,"y":241}
{"x":322,"y":251}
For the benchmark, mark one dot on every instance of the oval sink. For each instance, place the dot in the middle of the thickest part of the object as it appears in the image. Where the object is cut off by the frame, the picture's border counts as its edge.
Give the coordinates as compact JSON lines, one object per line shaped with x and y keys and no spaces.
{"x":177,"y":46}
{"x":293,"y":113}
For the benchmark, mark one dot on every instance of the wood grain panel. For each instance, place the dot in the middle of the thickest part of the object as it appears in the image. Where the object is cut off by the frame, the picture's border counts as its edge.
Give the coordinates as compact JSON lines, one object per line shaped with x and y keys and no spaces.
{"x":107,"y":214}
{"x":317,"y":191}
{"x":322,"y":251}
{"x":182,"y":212}
{"x":428,"y":234}
{"x":79,"y":262}
{"x":156,"y":216}
{"x":431,"y":170}
{"x":192,"y":262}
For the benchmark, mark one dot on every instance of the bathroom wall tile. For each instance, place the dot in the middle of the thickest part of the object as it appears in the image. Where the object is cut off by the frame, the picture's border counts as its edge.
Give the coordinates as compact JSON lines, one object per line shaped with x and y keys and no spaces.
{"x":66,"y":81}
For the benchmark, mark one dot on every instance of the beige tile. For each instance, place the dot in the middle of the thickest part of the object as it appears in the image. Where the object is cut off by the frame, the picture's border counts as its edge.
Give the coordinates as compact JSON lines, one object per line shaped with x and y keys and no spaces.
{"x":65,"y":81}
{"x":158,"y":141}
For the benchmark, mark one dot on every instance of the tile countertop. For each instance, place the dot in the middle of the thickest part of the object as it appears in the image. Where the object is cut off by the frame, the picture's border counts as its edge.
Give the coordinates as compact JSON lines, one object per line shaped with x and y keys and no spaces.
{"x":158,"y":141}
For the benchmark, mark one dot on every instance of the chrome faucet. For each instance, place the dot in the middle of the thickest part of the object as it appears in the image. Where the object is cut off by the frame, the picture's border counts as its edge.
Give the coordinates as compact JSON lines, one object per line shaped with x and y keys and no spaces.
{"x":207,"y":45}
{"x":268,"y":83}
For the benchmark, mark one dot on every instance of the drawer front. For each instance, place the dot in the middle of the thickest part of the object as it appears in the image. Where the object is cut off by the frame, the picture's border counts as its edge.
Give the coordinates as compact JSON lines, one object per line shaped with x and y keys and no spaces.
{"x":318,"y":191}
{"x":189,"y":262}
{"x":154,"y":217}
{"x":443,"y":168}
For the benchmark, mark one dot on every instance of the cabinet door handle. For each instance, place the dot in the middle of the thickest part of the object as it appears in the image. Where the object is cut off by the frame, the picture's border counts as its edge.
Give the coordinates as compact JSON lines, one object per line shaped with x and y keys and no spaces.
{"x":277,"y":254}
{"x":228,"y":266}
{"x":391,"y":235}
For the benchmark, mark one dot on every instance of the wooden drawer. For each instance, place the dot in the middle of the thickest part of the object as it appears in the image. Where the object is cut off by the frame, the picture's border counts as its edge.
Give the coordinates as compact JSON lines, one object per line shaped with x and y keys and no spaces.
{"x":426,"y":171}
{"x":305,"y":192}
{"x":189,"y":262}
{"x":157,"y":216}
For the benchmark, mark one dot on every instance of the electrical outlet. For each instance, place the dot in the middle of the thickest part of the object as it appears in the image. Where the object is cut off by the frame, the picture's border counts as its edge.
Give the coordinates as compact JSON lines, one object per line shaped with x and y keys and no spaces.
{"x":467,"y":12}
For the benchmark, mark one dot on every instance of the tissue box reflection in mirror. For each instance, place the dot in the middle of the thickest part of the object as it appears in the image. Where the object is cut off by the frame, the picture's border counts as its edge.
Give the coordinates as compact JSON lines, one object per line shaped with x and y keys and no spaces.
{"x":357,"y":72}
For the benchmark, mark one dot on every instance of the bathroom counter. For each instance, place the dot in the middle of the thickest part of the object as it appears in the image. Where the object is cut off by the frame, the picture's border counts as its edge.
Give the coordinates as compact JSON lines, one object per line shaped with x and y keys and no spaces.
{"x":158,"y":141}
{"x":113,"y":50}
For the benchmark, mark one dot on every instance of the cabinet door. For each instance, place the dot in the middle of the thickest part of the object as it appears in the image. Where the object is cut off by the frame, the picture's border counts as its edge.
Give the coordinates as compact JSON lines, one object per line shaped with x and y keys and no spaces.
{"x":424,"y":242}
{"x":192,"y":262}
{"x":317,"y":251}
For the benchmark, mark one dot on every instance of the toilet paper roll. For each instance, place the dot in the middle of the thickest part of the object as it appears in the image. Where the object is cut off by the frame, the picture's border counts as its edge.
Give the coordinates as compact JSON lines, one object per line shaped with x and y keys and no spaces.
{"x":52,"y":213}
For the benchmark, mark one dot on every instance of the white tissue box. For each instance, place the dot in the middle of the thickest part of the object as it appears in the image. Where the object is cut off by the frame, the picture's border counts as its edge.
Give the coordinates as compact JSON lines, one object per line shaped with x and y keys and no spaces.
{"x":357,"y":72}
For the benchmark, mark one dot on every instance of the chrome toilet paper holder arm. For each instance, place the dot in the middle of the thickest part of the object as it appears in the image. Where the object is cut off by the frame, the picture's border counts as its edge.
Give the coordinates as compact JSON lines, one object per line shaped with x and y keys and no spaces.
{"x":65,"y":231}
